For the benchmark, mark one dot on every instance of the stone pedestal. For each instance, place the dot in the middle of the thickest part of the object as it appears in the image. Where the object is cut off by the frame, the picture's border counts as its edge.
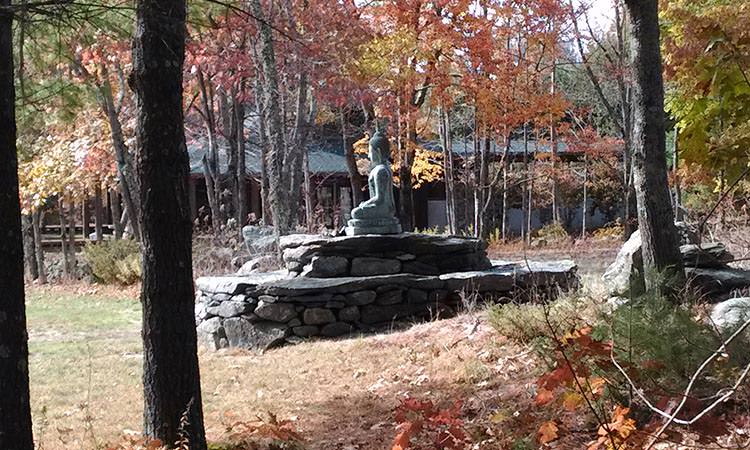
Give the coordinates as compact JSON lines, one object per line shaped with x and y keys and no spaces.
{"x":358,"y":227}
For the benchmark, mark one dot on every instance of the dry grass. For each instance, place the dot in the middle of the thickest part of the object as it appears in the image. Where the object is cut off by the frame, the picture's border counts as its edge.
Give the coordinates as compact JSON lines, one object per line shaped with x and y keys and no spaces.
{"x":86,"y":367}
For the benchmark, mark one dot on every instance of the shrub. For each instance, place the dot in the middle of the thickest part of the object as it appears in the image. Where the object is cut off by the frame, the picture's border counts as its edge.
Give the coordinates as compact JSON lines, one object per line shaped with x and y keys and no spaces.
{"x":114,"y":262}
{"x":609,"y":232}
{"x":553,"y":233}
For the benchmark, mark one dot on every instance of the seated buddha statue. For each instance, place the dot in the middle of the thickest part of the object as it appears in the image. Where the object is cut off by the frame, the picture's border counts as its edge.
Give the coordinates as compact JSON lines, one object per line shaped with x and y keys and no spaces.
{"x":377,"y":214}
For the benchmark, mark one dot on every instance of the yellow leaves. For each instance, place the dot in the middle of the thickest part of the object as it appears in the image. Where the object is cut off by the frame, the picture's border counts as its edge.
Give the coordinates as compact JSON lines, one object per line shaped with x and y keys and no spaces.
{"x":572,"y":400}
{"x":547,"y":432}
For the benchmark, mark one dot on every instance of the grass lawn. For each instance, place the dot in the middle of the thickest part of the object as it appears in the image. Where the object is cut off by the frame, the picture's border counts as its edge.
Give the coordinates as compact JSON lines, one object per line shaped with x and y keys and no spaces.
{"x":86,"y":362}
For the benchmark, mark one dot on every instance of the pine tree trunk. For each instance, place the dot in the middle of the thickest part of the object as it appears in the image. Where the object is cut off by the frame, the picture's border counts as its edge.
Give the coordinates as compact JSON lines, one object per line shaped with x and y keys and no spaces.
{"x":661,"y":256}
{"x":36,"y":222}
{"x":406,"y":191}
{"x":15,"y":414}
{"x":171,"y":380}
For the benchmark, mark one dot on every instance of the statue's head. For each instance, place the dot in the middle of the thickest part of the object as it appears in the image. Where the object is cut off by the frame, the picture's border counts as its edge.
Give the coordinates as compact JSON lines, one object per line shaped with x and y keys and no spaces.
{"x":380,"y":148}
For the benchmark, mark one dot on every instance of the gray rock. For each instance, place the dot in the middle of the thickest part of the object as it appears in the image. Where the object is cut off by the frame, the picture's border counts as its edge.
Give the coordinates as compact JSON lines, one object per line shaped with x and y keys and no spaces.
{"x":326,"y":267}
{"x":318,"y":316}
{"x":260,"y":335}
{"x":390,"y":297}
{"x":336,"y":329}
{"x":201,"y":312}
{"x":361,"y":298}
{"x":276,"y":312}
{"x":406,"y":257}
{"x":294,"y":323}
{"x":728,"y":315}
{"x":372,"y":314}
{"x":210,"y":333}
{"x":718,"y":281}
{"x":267,"y":299}
{"x":416,"y":296}
{"x":230,"y":308}
{"x":624,"y":277}
{"x":334,"y":305}
{"x":319,"y":299}
{"x":306,"y":331}
{"x":420,"y":268}
{"x":349,"y":314}
{"x":264,"y":263}
{"x":709,"y":255}
{"x":259,"y":239}
{"x":365,"y":266}
{"x":687,"y":233}
{"x":438,"y":296}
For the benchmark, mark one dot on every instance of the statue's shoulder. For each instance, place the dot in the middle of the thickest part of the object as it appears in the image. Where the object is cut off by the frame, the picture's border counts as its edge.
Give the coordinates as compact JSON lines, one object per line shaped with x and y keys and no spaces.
{"x":381,"y":170}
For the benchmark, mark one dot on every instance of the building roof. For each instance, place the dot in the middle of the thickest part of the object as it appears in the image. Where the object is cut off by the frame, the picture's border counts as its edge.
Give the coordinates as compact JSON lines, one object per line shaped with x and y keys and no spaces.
{"x":463,"y":147}
{"x":322,"y":161}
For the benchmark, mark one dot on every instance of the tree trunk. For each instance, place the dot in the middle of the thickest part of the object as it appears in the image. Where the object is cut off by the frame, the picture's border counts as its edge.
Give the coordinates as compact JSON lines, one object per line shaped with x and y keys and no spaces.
{"x":661,"y":256}
{"x":114,"y":201}
{"x":240,"y":175}
{"x":278,"y":194}
{"x":125,"y":177}
{"x":98,"y":214}
{"x":308,"y":192}
{"x":585,"y":205}
{"x":71,"y":236}
{"x":351,"y":163}
{"x":296,"y":159}
{"x":263,"y":150}
{"x":32,"y":269}
{"x":676,"y":171}
{"x":172,"y":397}
{"x":406,"y":191}
{"x":86,"y":219}
{"x":211,"y":157}
{"x":448,"y":173}
{"x":15,"y":413}
{"x":63,"y":238}
{"x":36,"y":222}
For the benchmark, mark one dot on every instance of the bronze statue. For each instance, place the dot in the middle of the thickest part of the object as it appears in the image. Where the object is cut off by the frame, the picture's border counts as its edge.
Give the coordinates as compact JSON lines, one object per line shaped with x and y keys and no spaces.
{"x":377,"y":215}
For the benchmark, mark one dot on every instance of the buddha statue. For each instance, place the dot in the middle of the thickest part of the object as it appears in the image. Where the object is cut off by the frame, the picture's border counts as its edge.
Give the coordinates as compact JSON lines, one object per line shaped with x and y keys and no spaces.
{"x":377,"y":214}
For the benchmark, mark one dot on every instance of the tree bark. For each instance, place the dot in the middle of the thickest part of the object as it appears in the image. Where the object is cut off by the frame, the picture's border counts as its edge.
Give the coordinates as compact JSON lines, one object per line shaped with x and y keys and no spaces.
{"x":211,"y":157}
{"x":661,"y":256}
{"x":448,"y":173}
{"x":355,"y":178}
{"x":98,"y":214}
{"x":278,"y":194}
{"x":30,"y":264}
{"x":15,"y":413}
{"x":240,"y":175}
{"x":36,"y":222}
{"x":172,"y":397}
{"x":125,"y":176}
{"x":114,"y":201}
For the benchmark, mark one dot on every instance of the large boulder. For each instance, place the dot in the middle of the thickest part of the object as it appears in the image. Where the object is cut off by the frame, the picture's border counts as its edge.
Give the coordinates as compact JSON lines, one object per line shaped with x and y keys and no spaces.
{"x":624,"y":277}
{"x":728,"y":315}
{"x":244,"y":333}
{"x":259,"y":240}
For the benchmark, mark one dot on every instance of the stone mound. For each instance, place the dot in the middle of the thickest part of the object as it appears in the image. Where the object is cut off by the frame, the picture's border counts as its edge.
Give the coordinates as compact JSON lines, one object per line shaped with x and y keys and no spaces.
{"x":262,"y":310}
{"x":366,"y":255}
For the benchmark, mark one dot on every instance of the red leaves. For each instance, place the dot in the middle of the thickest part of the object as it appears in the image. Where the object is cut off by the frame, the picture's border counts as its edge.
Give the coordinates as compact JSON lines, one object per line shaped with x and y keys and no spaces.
{"x":443,"y":427}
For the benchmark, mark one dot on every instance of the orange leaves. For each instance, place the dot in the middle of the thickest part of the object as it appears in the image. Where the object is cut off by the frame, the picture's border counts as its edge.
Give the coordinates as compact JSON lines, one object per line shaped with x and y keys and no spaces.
{"x":547,"y":432}
{"x":421,"y":420}
{"x":616,"y":432}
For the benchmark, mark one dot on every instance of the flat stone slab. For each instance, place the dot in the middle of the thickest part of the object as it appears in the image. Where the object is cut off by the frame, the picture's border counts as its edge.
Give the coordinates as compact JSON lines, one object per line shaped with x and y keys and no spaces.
{"x":414,"y":243}
{"x":502,"y":277}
